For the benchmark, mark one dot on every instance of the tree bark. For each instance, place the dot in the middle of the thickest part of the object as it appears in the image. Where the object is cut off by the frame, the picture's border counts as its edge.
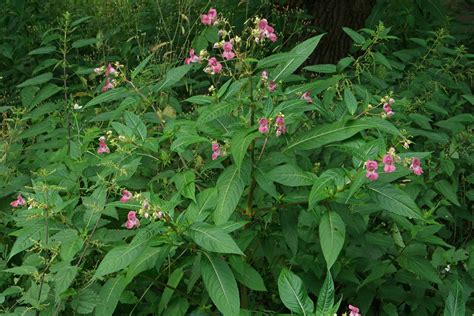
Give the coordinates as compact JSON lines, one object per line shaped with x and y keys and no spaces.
{"x":331,"y":16}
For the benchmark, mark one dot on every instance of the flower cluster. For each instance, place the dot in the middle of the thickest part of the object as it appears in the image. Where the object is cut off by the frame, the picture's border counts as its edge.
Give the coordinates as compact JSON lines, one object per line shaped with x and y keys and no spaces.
{"x":192,"y":58}
{"x":228,"y":53}
{"x":387,"y":106}
{"x":110,"y":74}
{"x":216,"y":150}
{"x":103,"y":148}
{"x":270,"y":83}
{"x":132,"y":217}
{"x":263,"y":31}
{"x":389,"y":160}
{"x":132,"y":220}
{"x":210,"y":18}
{"x":20,"y":201}
{"x":126,"y":195}
{"x":263,"y":125}
{"x":213,"y":66}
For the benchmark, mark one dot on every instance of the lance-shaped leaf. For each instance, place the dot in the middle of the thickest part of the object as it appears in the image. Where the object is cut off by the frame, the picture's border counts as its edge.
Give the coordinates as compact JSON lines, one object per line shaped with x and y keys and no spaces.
{"x":220,"y":284}
{"x":240,"y":143}
{"x":291,"y":176}
{"x":293,"y":294}
{"x":394,"y":200}
{"x":212,"y":238}
{"x":326,"y":297}
{"x":332,"y":233}
{"x":455,"y":303}
{"x":109,"y":295}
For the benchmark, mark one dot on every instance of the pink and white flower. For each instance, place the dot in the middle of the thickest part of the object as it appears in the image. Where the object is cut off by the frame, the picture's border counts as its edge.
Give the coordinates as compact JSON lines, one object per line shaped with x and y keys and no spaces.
{"x":132,"y":220}
{"x":192,"y":58}
{"x":354,"y":311}
{"x":216,"y":151}
{"x":272,"y":86}
{"x":210,"y":18}
{"x":280,"y":125}
{"x":126,"y":195}
{"x":110,"y":71}
{"x":388,"y":109}
{"x":263,"y":125}
{"x":20,"y":201}
{"x":389,"y":163}
{"x":228,"y":52}
{"x":103,"y":148}
{"x":307,"y":97}
{"x":213,"y":66}
{"x":108,"y":85}
{"x":416,"y":166}
{"x":266,"y":31}
{"x":264,"y":75}
{"x":371,"y":167}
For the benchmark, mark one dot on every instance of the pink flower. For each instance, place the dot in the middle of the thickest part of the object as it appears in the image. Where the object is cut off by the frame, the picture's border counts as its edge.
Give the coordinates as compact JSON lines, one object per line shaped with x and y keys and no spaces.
{"x":108,"y":85}
{"x":416,"y":166}
{"x":391,"y":101}
{"x":132,"y":220}
{"x":228,"y":53}
{"x":210,"y":18}
{"x":192,"y":58}
{"x":354,"y":311}
{"x":213,"y":66}
{"x":20,"y":201}
{"x":280,"y":125}
{"x":388,"y":109}
{"x":103,"y":148}
{"x":266,"y":31}
{"x":98,"y":70}
{"x":307,"y":97}
{"x":216,"y":151}
{"x":263,"y":125}
{"x":110,"y":70}
{"x":389,"y":163}
{"x":272,"y":86}
{"x":126,"y":195}
{"x":264,"y":75}
{"x":371,"y":167}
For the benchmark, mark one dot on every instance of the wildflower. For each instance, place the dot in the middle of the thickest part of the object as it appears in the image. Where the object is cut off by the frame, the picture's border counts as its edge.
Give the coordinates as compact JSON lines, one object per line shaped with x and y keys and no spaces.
{"x":98,"y":70}
{"x":103,"y":148}
{"x":280,"y":125}
{"x":371,"y":167}
{"x":110,"y":71}
{"x":158,"y":215}
{"x":222,"y":33}
{"x":416,"y":166}
{"x":20,"y":201}
{"x":264,"y":75}
{"x":76,"y":106}
{"x":132,"y":220}
{"x":210,"y":18}
{"x":192,"y":58}
{"x":126,"y":195}
{"x":389,"y":163}
{"x":266,"y":31}
{"x":216,"y":151}
{"x":228,"y":53}
{"x":388,"y":109}
{"x":307,"y":97}
{"x":145,"y":205}
{"x":354,"y":311}
{"x":213,"y":66}
{"x":108,"y":85}
{"x":263,"y":125}
{"x":272,"y":86}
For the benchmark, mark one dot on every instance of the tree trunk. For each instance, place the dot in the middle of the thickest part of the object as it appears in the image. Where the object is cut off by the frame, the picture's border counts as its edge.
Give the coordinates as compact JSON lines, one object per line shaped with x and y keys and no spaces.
{"x":331,"y":16}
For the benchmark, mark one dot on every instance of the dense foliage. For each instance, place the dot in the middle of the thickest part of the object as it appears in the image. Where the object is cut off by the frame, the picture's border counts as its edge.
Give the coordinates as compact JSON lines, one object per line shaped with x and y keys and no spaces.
{"x":210,"y":169}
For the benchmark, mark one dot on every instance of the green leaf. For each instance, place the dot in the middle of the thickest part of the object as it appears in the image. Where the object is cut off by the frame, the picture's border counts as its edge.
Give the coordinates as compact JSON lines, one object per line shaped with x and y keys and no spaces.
{"x":356,"y":37}
{"x":293,"y":294}
{"x":184,"y":182}
{"x":122,"y":256}
{"x":172,"y":77}
{"x":246,"y":274}
{"x":240,"y":143}
{"x":344,"y":63}
{"x":447,"y":190}
{"x":350,"y":101}
{"x":140,"y":66}
{"x":182,"y":141}
{"x":43,"y":50}
{"x":212,"y":238}
{"x":109,"y":295}
{"x":329,"y":133}
{"x":36,"y":129}
{"x":173,"y":282}
{"x":291,"y":175}
{"x":220,"y":284}
{"x":70,"y":243}
{"x":324,"y":68}
{"x":212,"y":112}
{"x":206,"y":200}
{"x":394,"y":200}
{"x":27,"y":236}
{"x":64,"y":278}
{"x":324,"y":181}
{"x":455,"y":303}
{"x":332,"y":233}
{"x":108,"y":96}
{"x":136,"y":124}
{"x":22,"y":270}
{"x":35,"y":81}
{"x":297,"y":56}
{"x":45,"y":93}
{"x":230,"y":187}
{"x":469,"y":97}
{"x":200,"y":99}
{"x":326,"y":296}
{"x":421,"y":267}
{"x":148,"y":259}
{"x":84,"y":42}
{"x":273,"y":60}
{"x":85,"y":301}
{"x":356,"y":183}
